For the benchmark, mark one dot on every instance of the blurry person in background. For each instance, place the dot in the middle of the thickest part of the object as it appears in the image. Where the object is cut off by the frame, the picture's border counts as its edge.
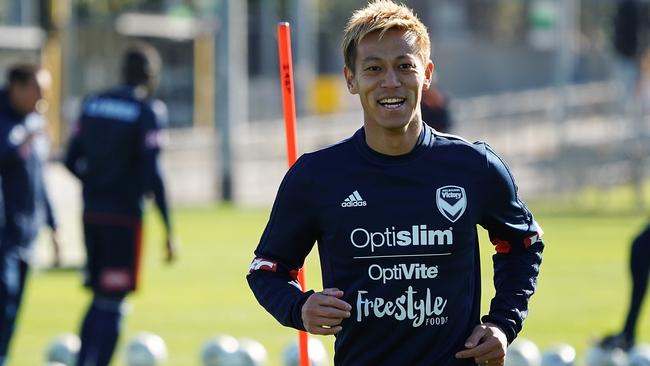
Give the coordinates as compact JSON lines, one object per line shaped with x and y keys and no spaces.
{"x":435,"y":108}
{"x":114,"y":151}
{"x":25,"y":204}
{"x":639,"y":265}
{"x":631,"y":23}
{"x":630,"y":35}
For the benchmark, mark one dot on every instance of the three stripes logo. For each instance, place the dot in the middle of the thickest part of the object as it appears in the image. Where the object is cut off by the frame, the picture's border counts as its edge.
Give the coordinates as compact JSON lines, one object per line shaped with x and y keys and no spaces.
{"x":354,"y":200}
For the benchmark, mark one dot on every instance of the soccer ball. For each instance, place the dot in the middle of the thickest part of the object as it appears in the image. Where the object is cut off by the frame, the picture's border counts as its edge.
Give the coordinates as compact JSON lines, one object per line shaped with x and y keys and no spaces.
{"x":64,"y":350}
{"x":252,"y":352}
{"x":639,"y":355}
{"x":221,"y":351}
{"x":523,"y":352}
{"x":146,"y":349}
{"x":597,"y":356}
{"x":559,"y":355}
{"x":317,"y":353}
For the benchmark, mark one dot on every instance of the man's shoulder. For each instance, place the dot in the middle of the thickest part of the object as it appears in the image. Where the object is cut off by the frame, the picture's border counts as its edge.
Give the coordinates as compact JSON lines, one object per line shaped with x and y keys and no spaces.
{"x":320,"y":163}
{"x":117,"y":103}
{"x":475,"y":155}
{"x":123,"y":93}
{"x":329,"y":154}
{"x":460,"y":145}
{"x":159,"y":112}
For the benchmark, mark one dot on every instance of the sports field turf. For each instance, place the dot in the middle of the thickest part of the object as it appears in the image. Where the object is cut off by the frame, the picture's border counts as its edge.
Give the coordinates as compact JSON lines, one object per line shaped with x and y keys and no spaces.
{"x":582,"y":290}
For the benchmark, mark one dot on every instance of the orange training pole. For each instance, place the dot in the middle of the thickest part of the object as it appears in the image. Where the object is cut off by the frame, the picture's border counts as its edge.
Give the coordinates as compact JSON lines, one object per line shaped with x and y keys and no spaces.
{"x":288,"y":96}
{"x":289,"y":108}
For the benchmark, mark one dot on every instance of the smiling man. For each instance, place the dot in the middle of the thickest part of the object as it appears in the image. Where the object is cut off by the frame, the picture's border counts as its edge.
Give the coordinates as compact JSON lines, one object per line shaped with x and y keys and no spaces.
{"x":394,"y":210}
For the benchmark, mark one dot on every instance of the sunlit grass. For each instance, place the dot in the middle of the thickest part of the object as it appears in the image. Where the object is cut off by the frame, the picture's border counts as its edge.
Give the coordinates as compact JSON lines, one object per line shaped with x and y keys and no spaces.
{"x":583,"y":286}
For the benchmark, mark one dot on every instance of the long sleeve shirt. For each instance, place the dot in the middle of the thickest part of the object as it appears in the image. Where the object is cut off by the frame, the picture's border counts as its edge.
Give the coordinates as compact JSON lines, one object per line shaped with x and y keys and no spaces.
{"x":398,"y":234}
{"x":114,"y":150}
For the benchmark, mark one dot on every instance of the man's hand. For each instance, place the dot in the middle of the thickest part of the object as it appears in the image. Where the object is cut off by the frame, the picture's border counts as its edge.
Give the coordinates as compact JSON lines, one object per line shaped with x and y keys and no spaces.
{"x":486,"y":345}
{"x":170,"y":250}
{"x":324,"y":311}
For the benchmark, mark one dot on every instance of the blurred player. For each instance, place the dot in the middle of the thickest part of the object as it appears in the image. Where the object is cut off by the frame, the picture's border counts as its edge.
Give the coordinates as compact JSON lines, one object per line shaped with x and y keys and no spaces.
{"x":630,"y":32}
{"x":435,"y":108}
{"x":639,"y":270}
{"x":630,"y":36}
{"x":394,"y":210}
{"x":114,"y":153}
{"x":26,"y":207}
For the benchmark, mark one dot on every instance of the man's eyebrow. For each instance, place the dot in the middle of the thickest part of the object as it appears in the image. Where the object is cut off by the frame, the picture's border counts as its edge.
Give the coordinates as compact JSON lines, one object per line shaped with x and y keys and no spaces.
{"x":371,"y":58}
{"x":375,"y":58}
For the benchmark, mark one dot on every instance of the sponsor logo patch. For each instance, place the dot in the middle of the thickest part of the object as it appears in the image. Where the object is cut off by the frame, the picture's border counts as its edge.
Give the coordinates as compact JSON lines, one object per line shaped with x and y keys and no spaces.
{"x":418,"y":235}
{"x":417,"y":307}
{"x":261,"y":264}
{"x":115,"y":279}
{"x":403,"y":271}
{"x":451,"y":202}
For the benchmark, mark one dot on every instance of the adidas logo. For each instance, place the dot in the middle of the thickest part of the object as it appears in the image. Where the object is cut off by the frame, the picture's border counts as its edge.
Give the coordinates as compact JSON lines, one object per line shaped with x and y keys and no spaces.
{"x":354,"y":200}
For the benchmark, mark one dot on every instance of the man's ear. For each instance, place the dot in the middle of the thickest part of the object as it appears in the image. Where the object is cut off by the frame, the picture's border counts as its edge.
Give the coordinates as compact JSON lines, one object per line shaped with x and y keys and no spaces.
{"x":428,"y":74}
{"x":350,"y":81}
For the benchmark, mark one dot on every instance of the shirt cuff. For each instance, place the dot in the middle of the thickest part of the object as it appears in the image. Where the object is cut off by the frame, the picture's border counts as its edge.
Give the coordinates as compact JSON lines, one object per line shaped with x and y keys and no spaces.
{"x":502,"y":323}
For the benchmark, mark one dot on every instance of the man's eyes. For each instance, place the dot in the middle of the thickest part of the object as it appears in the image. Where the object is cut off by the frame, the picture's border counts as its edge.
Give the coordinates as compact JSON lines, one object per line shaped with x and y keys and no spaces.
{"x":404,"y":66}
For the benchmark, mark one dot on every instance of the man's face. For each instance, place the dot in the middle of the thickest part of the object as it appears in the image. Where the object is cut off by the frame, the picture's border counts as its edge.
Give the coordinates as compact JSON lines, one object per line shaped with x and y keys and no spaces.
{"x":389,"y":76}
{"x":25,"y":96}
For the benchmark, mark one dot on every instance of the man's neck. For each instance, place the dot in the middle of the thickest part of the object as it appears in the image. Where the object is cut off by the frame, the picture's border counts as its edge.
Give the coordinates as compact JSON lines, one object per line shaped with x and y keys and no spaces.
{"x":393,"y":142}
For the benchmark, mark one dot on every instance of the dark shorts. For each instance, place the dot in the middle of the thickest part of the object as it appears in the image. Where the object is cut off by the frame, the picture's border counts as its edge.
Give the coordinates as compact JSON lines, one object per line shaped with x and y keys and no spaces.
{"x":113,"y":247}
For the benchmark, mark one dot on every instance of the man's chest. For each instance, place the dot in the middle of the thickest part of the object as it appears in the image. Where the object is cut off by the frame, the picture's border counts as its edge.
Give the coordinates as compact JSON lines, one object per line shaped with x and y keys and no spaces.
{"x":393,"y":213}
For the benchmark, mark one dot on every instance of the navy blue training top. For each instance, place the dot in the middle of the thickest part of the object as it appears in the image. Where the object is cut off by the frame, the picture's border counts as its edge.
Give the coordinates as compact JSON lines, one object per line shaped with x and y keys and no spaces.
{"x":398,"y":235}
{"x":25,"y":205}
{"x":114,"y":151}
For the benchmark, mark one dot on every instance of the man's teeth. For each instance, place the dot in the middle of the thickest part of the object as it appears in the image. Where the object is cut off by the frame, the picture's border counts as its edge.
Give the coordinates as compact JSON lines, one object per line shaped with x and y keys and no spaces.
{"x":391,"y":103}
{"x":391,"y":100}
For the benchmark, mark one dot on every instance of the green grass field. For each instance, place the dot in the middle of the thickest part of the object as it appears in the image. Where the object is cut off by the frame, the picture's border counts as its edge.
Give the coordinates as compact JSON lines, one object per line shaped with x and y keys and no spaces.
{"x":583,"y":286}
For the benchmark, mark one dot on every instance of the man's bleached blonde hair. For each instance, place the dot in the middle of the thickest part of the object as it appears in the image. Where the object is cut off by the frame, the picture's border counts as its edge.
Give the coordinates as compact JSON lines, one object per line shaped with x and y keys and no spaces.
{"x":382,"y":15}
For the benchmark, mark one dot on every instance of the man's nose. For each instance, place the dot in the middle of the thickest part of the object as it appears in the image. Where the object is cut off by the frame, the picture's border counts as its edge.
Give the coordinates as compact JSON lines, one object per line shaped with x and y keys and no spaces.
{"x":391,"y":79}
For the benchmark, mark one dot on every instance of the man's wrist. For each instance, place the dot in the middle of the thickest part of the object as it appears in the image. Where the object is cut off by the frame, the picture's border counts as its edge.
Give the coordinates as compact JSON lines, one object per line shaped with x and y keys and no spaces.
{"x":298,"y":321}
{"x":498,"y":327}
{"x":508,"y":331}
